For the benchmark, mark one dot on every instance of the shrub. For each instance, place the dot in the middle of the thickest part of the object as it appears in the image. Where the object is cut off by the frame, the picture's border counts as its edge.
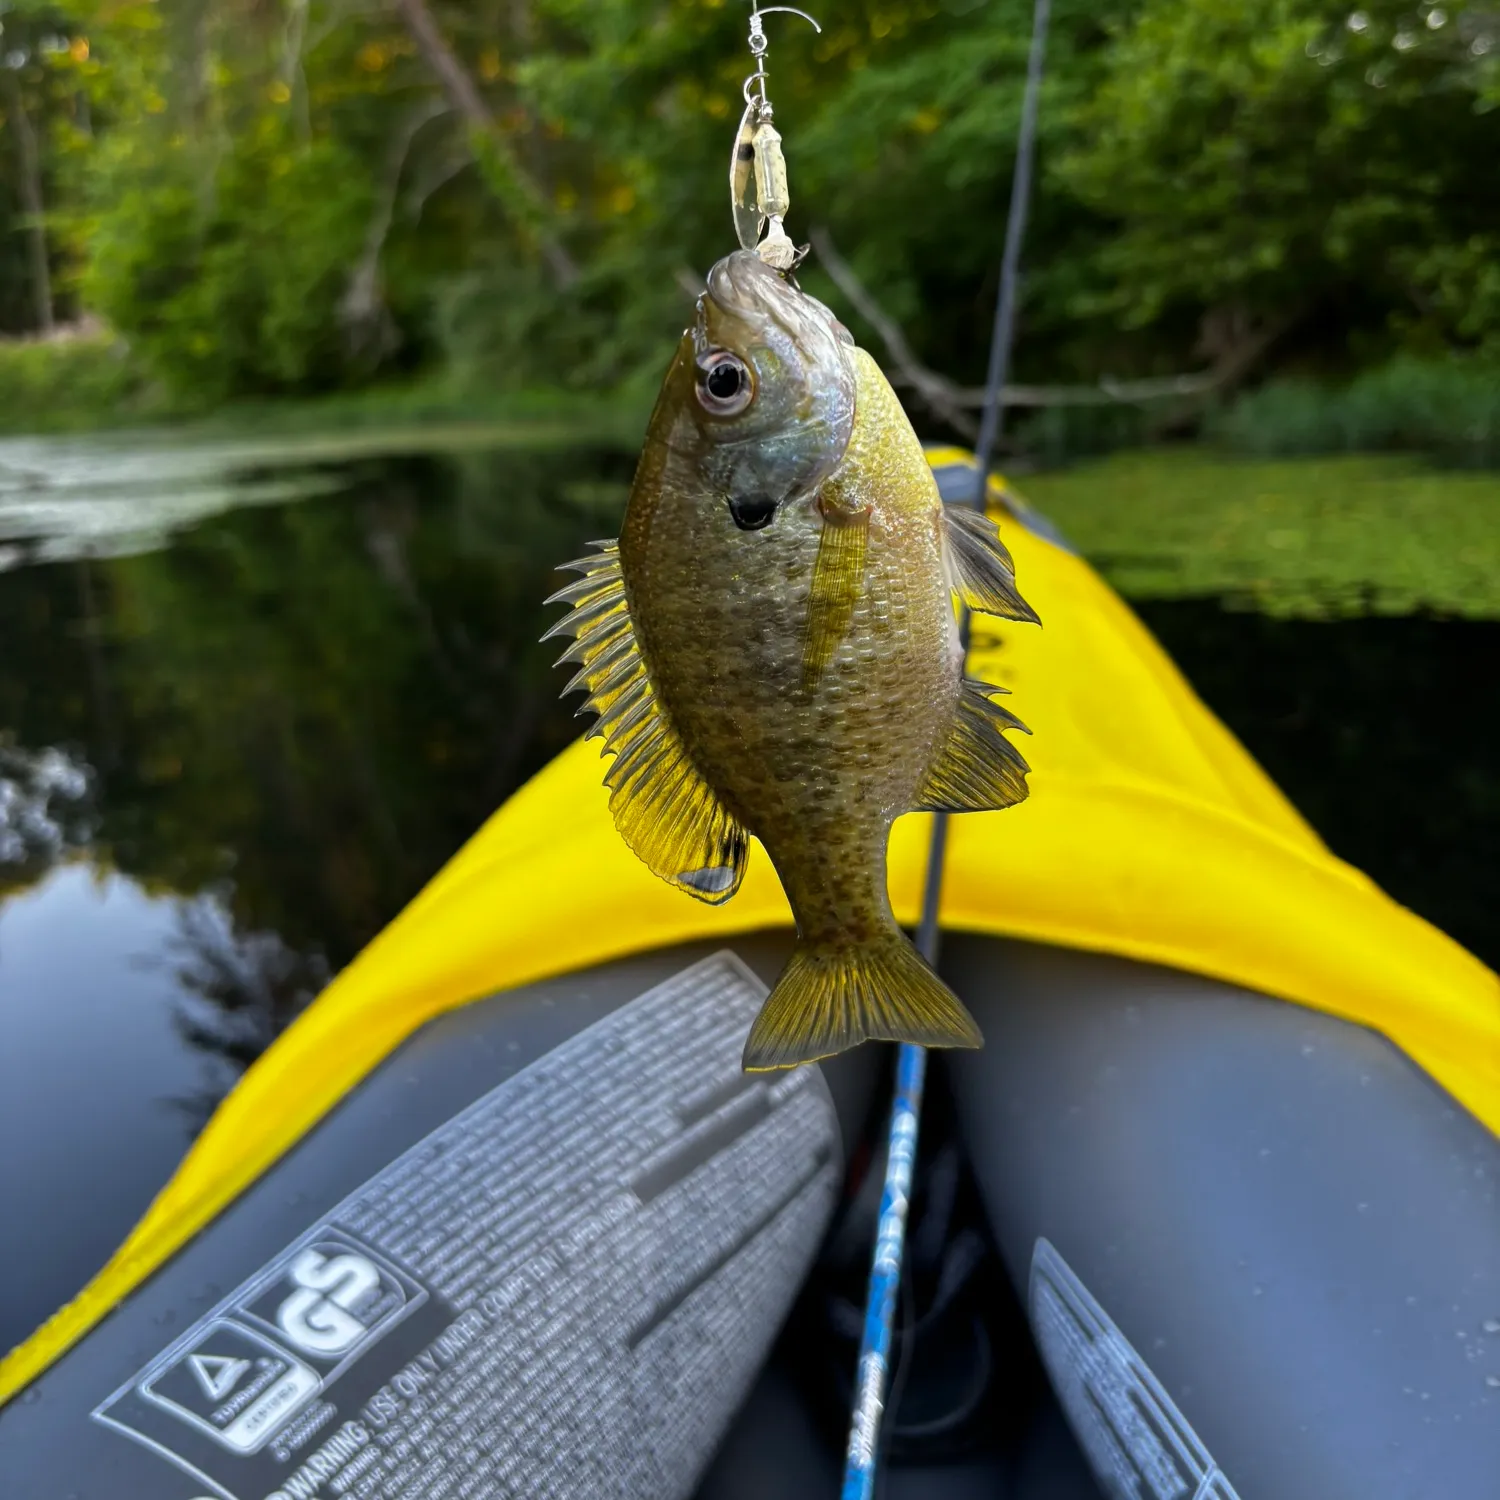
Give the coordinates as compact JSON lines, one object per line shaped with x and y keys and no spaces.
{"x":228,"y":281}
{"x":1449,"y":408}
{"x":85,"y":380}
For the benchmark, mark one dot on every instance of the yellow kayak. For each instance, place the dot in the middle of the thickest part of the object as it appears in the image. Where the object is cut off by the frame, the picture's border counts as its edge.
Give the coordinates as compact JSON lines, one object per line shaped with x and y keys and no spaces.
{"x":1154,"y":870}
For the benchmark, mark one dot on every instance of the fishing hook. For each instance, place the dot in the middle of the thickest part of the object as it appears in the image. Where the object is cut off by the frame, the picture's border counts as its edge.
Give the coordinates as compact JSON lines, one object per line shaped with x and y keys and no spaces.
{"x":757,"y":169}
{"x":759,"y":43}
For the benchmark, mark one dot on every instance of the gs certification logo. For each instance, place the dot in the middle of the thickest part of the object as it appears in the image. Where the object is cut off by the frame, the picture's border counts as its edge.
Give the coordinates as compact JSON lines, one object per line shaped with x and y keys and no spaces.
{"x":271,"y":1351}
{"x":329,"y":1300}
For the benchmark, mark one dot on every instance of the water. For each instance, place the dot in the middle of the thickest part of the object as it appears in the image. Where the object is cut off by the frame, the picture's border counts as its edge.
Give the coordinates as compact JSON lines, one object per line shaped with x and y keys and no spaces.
{"x":252,"y":697}
{"x":250,"y":701}
{"x":1383,"y":731}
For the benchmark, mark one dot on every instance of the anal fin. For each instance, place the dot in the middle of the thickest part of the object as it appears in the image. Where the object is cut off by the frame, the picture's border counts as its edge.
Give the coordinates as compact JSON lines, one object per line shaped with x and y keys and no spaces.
{"x":665,"y":811}
{"x":978,"y":769}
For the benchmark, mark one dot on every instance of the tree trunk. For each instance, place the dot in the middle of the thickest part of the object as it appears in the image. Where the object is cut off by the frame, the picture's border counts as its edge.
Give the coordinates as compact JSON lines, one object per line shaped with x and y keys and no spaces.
{"x":499,"y":163}
{"x":292,"y":73}
{"x":31,"y":203}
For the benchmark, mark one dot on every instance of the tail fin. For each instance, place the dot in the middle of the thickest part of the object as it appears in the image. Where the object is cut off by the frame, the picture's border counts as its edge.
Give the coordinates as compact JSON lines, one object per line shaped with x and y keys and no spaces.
{"x":833,"y":996}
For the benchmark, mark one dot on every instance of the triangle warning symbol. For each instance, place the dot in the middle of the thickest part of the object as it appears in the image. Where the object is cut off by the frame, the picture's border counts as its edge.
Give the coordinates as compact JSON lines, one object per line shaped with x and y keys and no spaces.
{"x":218,"y":1374}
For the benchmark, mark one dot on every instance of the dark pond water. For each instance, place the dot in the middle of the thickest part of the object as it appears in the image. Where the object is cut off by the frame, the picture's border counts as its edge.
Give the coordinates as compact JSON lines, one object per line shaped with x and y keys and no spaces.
{"x":234,"y":742}
{"x":248,"y":707}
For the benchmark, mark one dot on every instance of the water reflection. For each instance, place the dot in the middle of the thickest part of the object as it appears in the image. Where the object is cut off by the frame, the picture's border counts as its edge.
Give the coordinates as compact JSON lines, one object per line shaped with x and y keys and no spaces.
{"x":307,"y":705}
{"x":42,"y":809}
{"x":1381,"y":730}
{"x":91,"y":1067}
{"x":226,"y":761}
{"x":238,"y":992}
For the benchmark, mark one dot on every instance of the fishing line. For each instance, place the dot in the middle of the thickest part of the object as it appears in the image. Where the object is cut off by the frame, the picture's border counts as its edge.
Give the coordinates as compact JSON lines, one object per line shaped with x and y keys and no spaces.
{"x":860,"y":1461}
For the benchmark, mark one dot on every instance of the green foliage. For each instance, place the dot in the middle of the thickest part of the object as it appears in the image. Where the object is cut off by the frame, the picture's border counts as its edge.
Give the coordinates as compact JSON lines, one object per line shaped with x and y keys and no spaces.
{"x":1448,"y":407}
{"x":1286,"y":156}
{"x":1314,"y":538}
{"x":232,"y":286}
{"x":286,"y":198}
{"x":899,"y":122}
{"x":75,"y":382}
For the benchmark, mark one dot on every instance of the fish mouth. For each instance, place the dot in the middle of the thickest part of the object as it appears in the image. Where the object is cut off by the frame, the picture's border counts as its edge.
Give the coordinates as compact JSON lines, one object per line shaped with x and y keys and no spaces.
{"x":752,"y":512}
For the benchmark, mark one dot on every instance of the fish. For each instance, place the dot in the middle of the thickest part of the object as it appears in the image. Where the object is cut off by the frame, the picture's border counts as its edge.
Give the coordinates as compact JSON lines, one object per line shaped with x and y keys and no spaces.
{"x":772,"y":648}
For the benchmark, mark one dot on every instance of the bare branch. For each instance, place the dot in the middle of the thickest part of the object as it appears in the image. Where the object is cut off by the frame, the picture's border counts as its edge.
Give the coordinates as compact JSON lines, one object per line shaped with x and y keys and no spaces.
{"x":292,"y":75}
{"x":499,"y":163}
{"x":948,"y":400}
{"x":937,"y":392}
{"x":363,"y":312}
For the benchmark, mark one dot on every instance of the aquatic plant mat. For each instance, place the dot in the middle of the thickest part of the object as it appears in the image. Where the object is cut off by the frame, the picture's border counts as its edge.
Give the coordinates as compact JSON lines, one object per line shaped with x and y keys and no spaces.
{"x":1314,"y":538}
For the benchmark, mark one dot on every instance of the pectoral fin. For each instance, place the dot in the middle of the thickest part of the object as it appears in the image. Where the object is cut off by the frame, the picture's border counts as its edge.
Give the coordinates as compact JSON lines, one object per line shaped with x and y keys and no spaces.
{"x":980,"y":569}
{"x":978,"y":770}
{"x":838,"y":581}
{"x":665,"y":811}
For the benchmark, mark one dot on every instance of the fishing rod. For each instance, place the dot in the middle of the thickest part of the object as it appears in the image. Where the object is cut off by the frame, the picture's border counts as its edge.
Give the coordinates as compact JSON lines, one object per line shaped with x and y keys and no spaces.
{"x":861,"y":1461}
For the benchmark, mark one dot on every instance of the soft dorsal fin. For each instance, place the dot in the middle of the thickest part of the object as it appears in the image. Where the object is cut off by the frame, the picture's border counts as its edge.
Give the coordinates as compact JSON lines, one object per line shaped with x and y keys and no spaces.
{"x":979,"y":770}
{"x":665,"y":811}
{"x":980,"y":569}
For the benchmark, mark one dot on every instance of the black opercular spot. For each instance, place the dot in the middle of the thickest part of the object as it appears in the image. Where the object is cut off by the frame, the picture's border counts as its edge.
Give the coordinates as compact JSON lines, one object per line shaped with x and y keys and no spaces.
{"x":752,"y":512}
{"x":724,"y":381}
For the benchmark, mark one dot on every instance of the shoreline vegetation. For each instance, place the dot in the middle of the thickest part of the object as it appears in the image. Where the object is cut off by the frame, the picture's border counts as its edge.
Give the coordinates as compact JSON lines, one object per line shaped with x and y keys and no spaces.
{"x":1312,"y":538}
{"x":84,"y":378}
{"x":1254,"y":222}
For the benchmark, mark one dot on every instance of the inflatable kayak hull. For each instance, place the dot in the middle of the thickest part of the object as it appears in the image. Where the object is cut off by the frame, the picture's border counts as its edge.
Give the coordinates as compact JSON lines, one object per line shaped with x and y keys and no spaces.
{"x":1254,"y":1244}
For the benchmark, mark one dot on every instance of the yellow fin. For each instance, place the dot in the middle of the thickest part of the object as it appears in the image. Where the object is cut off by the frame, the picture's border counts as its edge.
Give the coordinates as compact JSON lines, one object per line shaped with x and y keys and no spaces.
{"x":982,"y":573}
{"x":832,"y":997}
{"x":665,"y":811}
{"x":838,"y":581}
{"x":979,"y":770}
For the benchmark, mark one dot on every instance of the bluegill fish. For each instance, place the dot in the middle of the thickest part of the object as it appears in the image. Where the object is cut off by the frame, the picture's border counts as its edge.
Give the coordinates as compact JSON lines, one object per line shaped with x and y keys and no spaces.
{"x":772,"y":649}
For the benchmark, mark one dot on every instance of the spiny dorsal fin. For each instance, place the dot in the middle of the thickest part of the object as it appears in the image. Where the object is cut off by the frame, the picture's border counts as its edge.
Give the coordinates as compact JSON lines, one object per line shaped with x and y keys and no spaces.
{"x":838,"y":580}
{"x":979,"y":770}
{"x":981,"y":572}
{"x":665,"y":811}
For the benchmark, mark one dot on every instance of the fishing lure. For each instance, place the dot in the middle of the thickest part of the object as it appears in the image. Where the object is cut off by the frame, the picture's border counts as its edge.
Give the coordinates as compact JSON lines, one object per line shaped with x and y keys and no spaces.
{"x":758,"y":191}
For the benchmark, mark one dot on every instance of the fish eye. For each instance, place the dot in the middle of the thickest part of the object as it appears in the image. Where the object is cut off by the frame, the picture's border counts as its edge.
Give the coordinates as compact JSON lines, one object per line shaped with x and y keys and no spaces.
{"x":725,"y":385}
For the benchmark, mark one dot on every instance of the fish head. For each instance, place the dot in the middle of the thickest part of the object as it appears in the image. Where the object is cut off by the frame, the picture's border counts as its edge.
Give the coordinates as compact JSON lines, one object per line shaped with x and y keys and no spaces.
{"x":773,"y":390}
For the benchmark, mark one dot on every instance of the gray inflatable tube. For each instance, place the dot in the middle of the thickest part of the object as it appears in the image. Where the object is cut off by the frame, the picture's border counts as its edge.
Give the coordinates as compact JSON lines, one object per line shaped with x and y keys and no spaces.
{"x":1170,"y":1239}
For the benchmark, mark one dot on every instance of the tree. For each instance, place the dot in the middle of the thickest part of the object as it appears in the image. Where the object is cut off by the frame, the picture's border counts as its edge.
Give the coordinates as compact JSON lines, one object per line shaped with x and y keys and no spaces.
{"x":293,"y":195}
{"x":1276,"y":159}
{"x":38,"y":103}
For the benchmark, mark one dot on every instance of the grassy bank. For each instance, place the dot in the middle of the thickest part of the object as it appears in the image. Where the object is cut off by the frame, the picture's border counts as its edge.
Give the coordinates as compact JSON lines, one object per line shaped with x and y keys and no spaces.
{"x":1314,"y":538}
{"x":91,"y":383}
{"x":74,"y":383}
